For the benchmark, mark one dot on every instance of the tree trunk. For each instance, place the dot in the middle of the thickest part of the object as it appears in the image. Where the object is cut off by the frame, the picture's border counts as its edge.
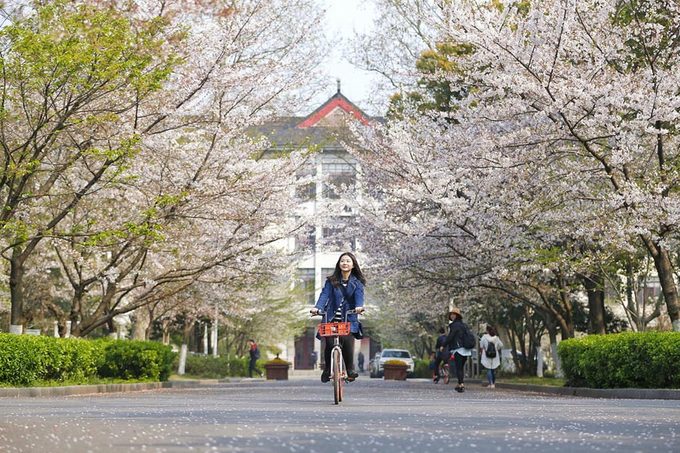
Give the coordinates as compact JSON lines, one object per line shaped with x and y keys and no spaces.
{"x":632,"y":309}
{"x":166,"y":331}
{"x":594,"y":285}
{"x":534,"y":343}
{"x":77,"y":304}
{"x":664,"y":268}
{"x":142,"y":323}
{"x":16,"y":288}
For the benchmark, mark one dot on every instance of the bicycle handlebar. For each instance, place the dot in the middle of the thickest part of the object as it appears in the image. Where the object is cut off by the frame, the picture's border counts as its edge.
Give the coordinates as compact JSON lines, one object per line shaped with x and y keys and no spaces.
{"x":348,"y":312}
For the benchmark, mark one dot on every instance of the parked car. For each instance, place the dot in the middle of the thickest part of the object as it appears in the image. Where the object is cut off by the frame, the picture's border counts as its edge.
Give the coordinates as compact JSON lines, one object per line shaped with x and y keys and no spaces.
{"x":392,"y":354}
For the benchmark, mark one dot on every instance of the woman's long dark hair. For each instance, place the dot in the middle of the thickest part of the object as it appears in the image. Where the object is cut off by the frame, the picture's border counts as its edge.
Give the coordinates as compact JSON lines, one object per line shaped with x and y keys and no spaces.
{"x":491,"y":330}
{"x":336,"y":276}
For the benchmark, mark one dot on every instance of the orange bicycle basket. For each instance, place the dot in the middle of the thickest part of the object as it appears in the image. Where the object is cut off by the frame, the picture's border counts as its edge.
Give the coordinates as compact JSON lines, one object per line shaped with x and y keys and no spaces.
{"x":329,"y":329}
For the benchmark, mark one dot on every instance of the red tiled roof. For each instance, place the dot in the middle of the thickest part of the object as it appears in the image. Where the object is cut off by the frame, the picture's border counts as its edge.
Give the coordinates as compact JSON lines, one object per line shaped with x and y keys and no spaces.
{"x":336,"y":101}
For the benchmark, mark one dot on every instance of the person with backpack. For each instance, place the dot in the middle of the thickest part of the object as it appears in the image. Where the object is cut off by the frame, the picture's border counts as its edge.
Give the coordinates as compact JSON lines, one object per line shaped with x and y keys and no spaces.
{"x":460,"y":341}
{"x":254,"y":355}
{"x":491,"y":354}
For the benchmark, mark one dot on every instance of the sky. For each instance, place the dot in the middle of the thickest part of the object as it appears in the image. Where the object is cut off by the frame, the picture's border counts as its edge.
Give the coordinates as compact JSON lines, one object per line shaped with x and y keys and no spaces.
{"x":343,"y":18}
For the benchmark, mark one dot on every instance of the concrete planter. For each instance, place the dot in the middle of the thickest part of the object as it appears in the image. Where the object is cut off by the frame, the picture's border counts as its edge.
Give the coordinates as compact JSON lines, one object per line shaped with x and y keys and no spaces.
{"x":277,"y":369}
{"x":395,"y":372}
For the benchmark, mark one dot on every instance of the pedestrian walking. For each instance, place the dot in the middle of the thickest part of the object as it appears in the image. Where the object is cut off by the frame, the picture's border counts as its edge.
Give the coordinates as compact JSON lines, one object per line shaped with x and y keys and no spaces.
{"x":360,"y":361}
{"x":314,"y":358}
{"x":254,"y":352}
{"x":491,"y":354}
{"x":343,"y":290}
{"x":460,"y":342}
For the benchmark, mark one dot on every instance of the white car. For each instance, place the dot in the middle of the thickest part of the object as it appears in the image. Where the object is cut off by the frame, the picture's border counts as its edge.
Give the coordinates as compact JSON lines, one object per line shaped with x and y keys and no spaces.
{"x":395,"y":354}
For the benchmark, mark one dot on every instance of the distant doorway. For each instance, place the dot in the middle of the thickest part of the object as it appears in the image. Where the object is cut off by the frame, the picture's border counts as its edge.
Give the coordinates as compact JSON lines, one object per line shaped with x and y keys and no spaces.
{"x":304,"y":351}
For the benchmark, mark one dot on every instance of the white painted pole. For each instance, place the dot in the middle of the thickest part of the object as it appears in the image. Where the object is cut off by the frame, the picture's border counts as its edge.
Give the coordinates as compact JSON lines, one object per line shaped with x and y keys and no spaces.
{"x":182,"y":359}
{"x":214,"y":338}
{"x":205,"y":338}
{"x":67,"y":334}
{"x":539,"y":362}
{"x":55,"y":329}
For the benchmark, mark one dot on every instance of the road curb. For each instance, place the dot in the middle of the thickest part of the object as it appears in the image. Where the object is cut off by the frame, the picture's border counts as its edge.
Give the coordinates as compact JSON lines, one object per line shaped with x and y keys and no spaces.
{"x":627,"y":393}
{"x":98,"y":388}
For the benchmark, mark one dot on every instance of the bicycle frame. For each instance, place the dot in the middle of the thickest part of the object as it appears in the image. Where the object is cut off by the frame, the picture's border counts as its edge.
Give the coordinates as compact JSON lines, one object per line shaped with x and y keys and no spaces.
{"x":337,"y":366}
{"x":338,"y":371}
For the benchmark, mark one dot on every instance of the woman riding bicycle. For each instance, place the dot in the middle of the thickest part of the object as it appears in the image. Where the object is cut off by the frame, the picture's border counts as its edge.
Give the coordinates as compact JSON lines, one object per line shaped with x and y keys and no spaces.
{"x":343,"y":290}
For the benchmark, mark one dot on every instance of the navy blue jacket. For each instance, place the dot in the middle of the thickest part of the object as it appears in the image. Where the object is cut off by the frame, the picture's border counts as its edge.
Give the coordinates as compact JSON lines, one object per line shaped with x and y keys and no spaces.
{"x":331,"y":298}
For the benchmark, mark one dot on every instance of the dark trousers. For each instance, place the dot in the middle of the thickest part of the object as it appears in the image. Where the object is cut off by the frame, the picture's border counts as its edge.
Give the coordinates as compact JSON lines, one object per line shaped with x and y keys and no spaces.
{"x":460,"y":360}
{"x":439,"y":358}
{"x":252,"y":367}
{"x":347,"y":345}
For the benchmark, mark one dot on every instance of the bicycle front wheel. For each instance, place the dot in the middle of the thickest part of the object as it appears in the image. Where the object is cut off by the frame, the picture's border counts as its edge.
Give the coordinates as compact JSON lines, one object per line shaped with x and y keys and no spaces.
{"x":336,"y":360}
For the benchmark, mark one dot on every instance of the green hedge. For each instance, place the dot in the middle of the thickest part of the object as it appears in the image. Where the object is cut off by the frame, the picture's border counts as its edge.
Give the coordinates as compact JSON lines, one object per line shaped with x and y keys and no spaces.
{"x":626,"y":360}
{"x":27,"y":359}
{"x":145,"y":360}
{"x":209,"y":367}
{"x":421,"y":369}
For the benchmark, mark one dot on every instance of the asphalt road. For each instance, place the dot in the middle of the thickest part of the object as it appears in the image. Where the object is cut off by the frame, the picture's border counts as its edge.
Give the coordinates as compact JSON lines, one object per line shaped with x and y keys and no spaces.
{"x":299,"y":416}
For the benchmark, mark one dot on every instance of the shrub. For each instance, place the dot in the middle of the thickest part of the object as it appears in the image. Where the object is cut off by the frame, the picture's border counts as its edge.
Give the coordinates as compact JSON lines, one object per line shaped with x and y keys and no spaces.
{"x":630,"y":359}
{"x":209,"y":367}
{"x":146,"y":360}
{"x":205,"y":366}
{"x":25,"y":359}
{"x":422,"y":369}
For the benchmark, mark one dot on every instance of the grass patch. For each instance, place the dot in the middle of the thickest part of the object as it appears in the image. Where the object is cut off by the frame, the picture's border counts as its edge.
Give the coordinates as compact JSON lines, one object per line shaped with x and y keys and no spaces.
{"x":533,"y":380}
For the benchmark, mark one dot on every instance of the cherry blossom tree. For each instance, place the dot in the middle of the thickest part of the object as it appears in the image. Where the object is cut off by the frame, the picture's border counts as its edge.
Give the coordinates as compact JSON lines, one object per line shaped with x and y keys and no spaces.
{"x":559,"y":158}
{"x":196,"y":193}
{"x":589,"y":90}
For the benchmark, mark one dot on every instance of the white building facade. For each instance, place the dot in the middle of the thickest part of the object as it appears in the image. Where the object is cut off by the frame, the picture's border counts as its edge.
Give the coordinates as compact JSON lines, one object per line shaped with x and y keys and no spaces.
{"x":329,"y":168}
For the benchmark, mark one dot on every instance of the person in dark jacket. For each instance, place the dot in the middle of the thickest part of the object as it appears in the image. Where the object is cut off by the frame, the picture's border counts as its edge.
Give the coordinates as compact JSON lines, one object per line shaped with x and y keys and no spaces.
{"x":454,"y":342}
{"x":343,"y":290}
{"x":254,"y":352}
{"x":441,"y":353}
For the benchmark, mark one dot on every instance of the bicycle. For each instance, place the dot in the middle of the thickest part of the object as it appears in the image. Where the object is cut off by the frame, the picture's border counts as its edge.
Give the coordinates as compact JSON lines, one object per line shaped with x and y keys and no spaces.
{"x":443,"y":373}
{"x":338,"y":371}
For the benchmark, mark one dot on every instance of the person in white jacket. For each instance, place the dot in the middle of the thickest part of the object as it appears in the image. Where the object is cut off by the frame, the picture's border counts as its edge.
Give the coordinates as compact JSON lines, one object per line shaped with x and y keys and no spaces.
{"x":493,"y":362}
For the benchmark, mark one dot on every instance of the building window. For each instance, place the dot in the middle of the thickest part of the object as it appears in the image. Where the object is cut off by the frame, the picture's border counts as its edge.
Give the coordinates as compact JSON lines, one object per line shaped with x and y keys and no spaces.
{"x":326,"y":272}
{"x":306,"y":285}
{"x":306,"y":191}
{"x":339,"y":176}
{"x":305,"y":239}
{"x":339,"y":235}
